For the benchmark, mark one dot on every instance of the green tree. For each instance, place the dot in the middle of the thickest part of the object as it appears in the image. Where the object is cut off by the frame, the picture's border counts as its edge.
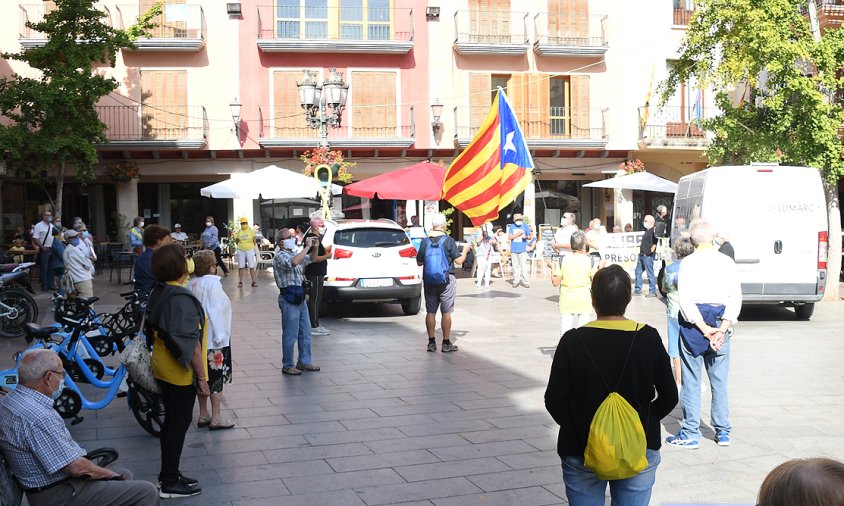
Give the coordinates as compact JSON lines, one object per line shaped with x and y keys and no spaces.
{"x":53,"y":124}
{"x":774,"y":79}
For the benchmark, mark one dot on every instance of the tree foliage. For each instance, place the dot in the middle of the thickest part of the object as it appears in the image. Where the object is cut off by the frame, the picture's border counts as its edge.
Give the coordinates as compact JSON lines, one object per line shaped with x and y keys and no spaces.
{"x":53,"y":123}
{"x":774,"y":85}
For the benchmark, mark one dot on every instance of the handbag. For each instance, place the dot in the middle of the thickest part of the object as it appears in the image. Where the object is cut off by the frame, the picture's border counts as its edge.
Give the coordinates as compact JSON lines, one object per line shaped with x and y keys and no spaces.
{"x":137,"y":360}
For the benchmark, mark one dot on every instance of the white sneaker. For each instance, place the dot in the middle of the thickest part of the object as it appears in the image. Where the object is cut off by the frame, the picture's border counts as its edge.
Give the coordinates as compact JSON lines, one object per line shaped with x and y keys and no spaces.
{"x":320,"y":331}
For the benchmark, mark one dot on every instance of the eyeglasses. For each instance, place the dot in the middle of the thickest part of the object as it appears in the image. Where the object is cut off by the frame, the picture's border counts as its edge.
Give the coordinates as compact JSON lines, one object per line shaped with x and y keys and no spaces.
{"x":59,"y":372}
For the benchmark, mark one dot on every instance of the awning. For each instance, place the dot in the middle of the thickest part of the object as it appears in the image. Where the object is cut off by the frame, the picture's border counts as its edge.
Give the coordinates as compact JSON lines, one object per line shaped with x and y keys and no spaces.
{"x":637,"y":181}
{"x":271,"y":182}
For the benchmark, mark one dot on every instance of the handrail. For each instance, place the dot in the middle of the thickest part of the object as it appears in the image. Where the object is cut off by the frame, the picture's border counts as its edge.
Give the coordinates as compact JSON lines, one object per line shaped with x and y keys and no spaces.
{"x":525,"y":28}
{"x":410,"y":14}
{"x":202,"y":23}
{"x":258,"y":9}
{"x":412,"y":123}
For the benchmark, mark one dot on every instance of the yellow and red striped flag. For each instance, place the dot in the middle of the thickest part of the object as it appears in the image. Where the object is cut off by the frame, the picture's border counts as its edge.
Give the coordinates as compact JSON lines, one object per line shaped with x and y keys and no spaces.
{"x":493,"y":169}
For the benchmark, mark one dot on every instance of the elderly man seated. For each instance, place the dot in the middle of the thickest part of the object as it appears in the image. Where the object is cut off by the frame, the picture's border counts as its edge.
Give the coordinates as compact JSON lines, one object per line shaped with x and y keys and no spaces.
{"x":48,"y":464}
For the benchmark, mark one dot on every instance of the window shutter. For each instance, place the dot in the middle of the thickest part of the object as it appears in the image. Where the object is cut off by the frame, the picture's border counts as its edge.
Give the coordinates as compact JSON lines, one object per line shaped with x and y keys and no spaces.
{"x":286,"y":113}
{"x":164,"y":103}
{"x":567,"y":18}
{"x":580,"y":107}
{"x":479,"y":99}
{"x":536,"y":114}
{"x":374,"y":104}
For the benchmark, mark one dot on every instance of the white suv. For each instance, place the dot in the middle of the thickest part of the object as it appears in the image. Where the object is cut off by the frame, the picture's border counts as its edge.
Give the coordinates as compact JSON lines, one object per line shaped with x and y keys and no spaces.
{"x":372,"y":261}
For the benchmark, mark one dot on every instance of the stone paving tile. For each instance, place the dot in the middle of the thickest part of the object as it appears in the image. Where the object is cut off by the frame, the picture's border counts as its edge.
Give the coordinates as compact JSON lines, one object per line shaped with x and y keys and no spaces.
{"x":337,"y":415}
{"x":306,"y":452}
{"x":509,"y":434}
{"x":469,"y":451}
{"x":516,"y":479}
{"x":350,"y":436}
{"x":243,"y":474}
{"x":533,"y":459}
{"x":381,"y":460}
{"x":339,"y":481}
{"x":433,"y":471}
{"x":295,"y":428}
{"x":251,"y":445}
{"x":530,"y":496}
{"x":404,"y":492}
{"x":417,"y":443}
{"x":333,"y":498}
{"x":387,"y":421}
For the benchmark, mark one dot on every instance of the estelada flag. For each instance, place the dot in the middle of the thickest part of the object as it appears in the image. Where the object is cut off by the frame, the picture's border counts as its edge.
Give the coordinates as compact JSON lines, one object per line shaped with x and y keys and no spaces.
{"x":494,"y":169}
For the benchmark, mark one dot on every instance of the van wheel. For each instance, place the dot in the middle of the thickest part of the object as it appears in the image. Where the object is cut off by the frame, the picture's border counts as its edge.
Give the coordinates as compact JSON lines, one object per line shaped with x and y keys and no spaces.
{"x":804,"y":312}
{"x":411,"y":306}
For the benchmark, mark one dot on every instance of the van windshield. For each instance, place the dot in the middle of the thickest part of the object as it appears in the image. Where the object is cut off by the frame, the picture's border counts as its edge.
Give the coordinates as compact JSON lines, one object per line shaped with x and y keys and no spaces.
{"x":371,"y":238}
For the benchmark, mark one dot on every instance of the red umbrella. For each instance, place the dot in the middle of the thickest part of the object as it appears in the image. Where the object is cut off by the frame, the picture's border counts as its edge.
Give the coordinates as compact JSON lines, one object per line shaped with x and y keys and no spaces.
{"x":423,"y":181}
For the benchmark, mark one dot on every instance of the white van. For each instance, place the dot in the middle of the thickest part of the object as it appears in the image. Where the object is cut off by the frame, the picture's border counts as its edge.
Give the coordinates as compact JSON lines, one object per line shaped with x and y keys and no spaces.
{"x":776,"y":220}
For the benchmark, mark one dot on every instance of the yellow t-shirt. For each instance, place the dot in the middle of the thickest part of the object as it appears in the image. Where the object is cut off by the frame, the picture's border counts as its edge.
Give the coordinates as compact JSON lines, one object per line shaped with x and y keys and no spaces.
{"x":245,"y":238}
{"x":576,"y":273}
{"x":166,"y":368}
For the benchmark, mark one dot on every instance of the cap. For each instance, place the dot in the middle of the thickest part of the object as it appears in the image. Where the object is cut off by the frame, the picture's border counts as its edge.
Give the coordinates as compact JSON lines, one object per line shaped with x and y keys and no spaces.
{"x":71,"y":234}
{"x":438,"y":220}
{"x":517,"y":216}
{"x":177,"y":225}
{"x":244,"y":220}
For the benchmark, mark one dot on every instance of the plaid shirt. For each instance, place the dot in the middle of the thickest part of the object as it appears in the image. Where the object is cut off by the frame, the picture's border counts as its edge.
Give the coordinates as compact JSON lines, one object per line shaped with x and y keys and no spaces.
{"x":34,"y":438}
{"x":287,"y":274}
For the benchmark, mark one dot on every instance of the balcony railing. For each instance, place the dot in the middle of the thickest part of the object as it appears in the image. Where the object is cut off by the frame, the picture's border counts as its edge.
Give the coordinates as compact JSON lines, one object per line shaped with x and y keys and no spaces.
{"x":683,"y":10}
{"x":180,"y":27}
{"x":34,"y":13}
{"x":830,"y":13}
{"x":491,"y":32}
{"x":570,"y":35}
{"x":674,"y":125}
{"x":542,"y":126}
{"x":154,"y":126}
{"x":335,"y":29}
{"x":285,"y":126}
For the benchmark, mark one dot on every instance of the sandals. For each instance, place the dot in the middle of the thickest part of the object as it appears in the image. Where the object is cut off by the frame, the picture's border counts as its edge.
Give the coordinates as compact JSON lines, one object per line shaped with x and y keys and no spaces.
{"x":222,"y":425}
{"x":254,"y":284}
{"x":240,"y":285}
{"x":203,"y":421}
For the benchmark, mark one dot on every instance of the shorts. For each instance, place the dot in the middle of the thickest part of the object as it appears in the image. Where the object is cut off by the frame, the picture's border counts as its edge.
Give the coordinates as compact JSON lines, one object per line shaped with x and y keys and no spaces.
{"x":245,"y":258}
{"x":441,"y":297}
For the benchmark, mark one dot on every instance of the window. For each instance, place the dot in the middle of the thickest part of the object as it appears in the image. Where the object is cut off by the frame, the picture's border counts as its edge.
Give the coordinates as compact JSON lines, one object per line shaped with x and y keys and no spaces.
{"x":567,"y":20}
{"x":165,"y":26}
{"x":683,"y":10}
{"x":301,"y":19}
{"x":560,"y":103}
{"x":489,"y":21}
{"x":287,"y":118}
{"x":371,"y":238}
{"x":365,"y":19}
{"x":373,"y":102}
{"x":684,"y":110}
{"x":164,"y":104}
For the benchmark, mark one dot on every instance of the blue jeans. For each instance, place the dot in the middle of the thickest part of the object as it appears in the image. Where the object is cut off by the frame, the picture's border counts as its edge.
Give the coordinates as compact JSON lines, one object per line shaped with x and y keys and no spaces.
{"x":717,"y":365}
{"x":295,"y":327}
{"x":673,"y":337}
{"x":45,"y":273}
{"x":645,"y":263}
{"x":583,"y":488}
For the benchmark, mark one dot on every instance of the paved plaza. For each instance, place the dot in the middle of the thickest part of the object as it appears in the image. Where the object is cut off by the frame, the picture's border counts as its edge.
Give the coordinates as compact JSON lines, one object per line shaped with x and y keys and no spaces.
{"x":385,"y":422}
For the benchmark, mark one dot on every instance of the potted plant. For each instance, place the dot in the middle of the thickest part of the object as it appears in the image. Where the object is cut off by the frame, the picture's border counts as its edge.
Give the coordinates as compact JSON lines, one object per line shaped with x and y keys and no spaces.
{"x":123,"y":172}
{"x":340,"y":168}
{"x":631,"y":166}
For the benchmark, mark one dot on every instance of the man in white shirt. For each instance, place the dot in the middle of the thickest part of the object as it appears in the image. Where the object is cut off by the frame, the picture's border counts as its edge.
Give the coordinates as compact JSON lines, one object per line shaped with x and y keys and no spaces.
{"x":706,"y":278}
{"x":78,"y":266}
{"x":42,"y":240}
{"x":562,"y":238}
{"x":178,"y":235}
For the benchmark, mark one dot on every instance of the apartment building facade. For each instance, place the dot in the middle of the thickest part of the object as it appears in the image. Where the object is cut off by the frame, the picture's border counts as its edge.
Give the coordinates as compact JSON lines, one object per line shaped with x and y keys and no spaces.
{"x":578,"y":73}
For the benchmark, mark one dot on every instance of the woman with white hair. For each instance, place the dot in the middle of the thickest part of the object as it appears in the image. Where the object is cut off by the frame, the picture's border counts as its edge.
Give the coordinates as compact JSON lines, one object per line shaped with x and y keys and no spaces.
{"x":484,"y":250}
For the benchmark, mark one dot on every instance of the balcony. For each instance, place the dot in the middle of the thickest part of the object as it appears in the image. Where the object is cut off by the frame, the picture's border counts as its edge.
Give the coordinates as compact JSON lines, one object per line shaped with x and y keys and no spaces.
{"x":570,"y":35}
{"x":683,"y":10}
{"x":146,"y":126}
{"x":285,"y":29}
{"x":674,"y":126}
{"x":284,"y":126}
{"x":180,"y":27}
{"x":491,"y":32}
{"x":34,"y":13}
{"x":543,"y":127}
{"x":830,"y":13}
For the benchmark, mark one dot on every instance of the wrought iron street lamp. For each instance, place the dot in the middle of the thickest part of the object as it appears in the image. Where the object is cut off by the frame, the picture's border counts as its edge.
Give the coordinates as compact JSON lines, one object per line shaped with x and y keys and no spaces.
{"x":323,"y":104}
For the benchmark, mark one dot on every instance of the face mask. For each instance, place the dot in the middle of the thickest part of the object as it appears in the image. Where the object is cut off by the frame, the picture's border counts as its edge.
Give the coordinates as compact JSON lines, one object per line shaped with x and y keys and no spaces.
{"x":58,"y":223}
{"x":49,"y":219}
{"x":141,"y":225}
{"x":289,"y":243}
{"x":58,"y":391}
{"x":518,"y":223}
{"x":244,"y":226}
{"x":75,"y":241}
{"x":85,"y":235}
{"x":207,"y":223}
{"x":647,"y":225}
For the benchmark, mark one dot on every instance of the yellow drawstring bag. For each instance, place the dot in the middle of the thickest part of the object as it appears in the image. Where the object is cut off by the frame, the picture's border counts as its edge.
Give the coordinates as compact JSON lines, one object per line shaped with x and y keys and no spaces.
{"x":616,"y":445}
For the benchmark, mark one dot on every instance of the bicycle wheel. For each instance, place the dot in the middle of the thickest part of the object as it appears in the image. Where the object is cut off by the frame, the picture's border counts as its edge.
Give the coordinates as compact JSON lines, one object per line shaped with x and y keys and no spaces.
{"x":24,"y":310}
{"x":147,"y":407}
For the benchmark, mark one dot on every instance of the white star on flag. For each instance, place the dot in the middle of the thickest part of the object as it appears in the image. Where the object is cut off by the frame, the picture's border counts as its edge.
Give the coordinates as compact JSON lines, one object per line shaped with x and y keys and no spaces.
{"x":508,"y":144}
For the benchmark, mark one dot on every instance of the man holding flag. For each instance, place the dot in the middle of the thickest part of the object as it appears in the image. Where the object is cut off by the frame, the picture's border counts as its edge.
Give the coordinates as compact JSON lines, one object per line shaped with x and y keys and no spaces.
{"x":494,"y":169}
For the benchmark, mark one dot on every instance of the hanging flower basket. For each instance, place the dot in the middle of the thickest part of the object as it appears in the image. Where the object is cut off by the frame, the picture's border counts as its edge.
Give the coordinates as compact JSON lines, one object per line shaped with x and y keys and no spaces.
{"x":631,"y":166}
{"x":340,"y":168}
{"x":123,"y":172}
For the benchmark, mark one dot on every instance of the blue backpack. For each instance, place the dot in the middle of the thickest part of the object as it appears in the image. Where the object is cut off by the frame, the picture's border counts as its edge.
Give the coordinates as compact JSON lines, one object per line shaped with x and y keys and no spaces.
{"x":437,"y":266}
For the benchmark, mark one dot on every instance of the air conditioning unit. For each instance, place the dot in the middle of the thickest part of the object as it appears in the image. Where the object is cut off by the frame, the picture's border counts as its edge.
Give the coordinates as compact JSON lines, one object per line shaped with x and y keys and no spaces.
{"x":233,"y":9}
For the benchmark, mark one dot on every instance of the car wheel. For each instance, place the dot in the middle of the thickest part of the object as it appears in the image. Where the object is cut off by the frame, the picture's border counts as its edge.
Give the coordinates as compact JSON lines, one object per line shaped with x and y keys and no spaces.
{"x":411,"y":306}
{"x":804,"y":312}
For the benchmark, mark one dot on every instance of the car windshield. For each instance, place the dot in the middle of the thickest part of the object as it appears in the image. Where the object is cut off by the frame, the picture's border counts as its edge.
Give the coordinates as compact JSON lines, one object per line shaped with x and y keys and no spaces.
{"x":371,"y":238}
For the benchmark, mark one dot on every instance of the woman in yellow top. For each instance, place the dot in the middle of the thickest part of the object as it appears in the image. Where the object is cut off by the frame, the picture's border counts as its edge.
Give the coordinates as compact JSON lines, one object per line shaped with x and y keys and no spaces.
{"x":178,"y":361}
{"x":574,"y":277}
{"x":245,"y":238}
